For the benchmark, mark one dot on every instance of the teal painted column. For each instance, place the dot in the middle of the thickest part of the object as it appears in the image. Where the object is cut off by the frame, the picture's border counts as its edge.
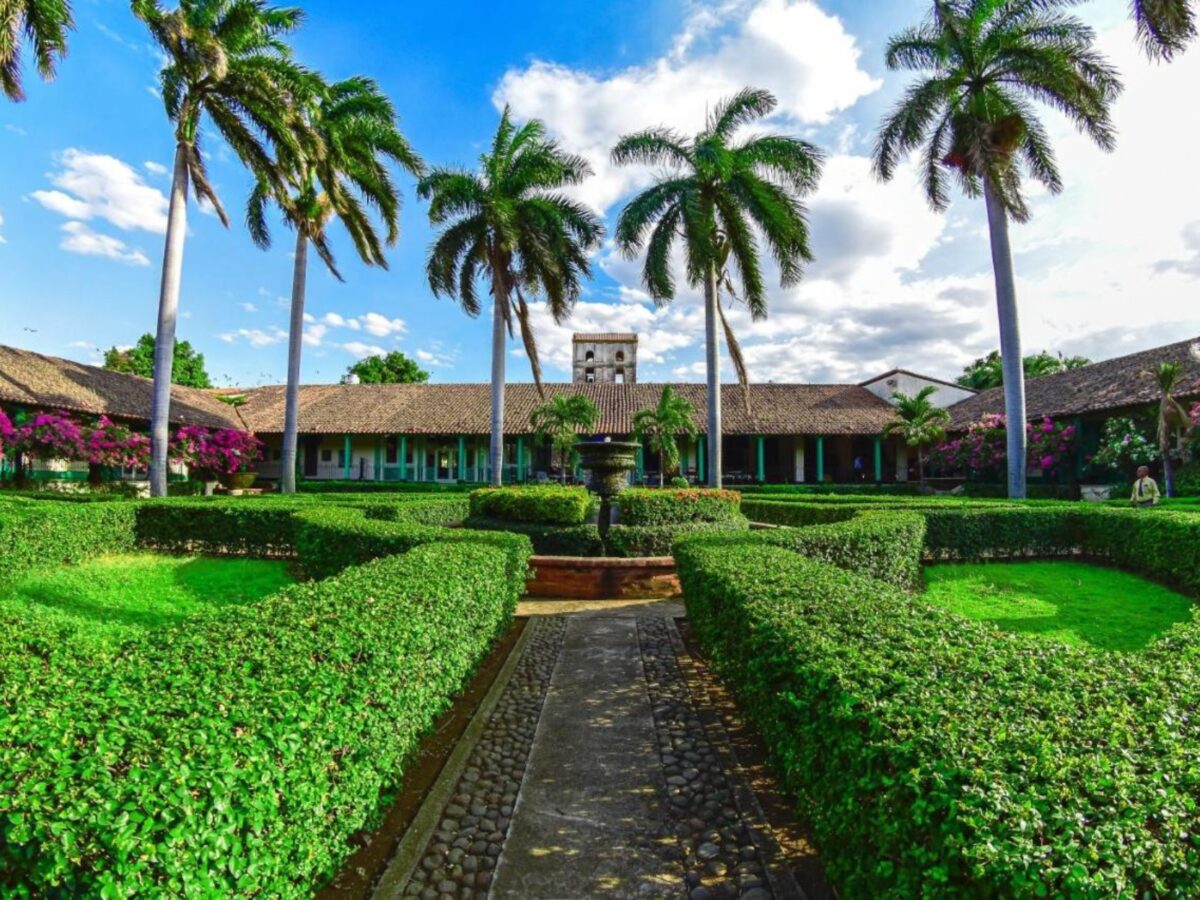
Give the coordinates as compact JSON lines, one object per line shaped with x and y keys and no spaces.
{"x":701,"y":474}
{"x":878,"y":459}
{"x":403,"y":457}
{"x":820,"y":459}
{"x":761,"y":468}
{"x":520,"y":476}
{"x":462,"y":458}
{"x":346,"y":456}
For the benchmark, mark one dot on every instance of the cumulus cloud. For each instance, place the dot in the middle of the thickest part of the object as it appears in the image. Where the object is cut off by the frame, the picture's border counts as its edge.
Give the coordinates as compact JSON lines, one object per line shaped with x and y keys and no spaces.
{"x":256,"y":337}
{"x":362,"y":350}
{"x":373,"y":323}
{"x":793,"y":47}
{"x":79,"y":238}
{"x":1189,"y":263}
{"x":155,"y":168}
{"x":97,"y":186}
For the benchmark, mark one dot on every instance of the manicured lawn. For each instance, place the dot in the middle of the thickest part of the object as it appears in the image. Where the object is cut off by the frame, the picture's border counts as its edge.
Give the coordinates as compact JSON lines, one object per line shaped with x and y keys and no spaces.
{"x":1070,"y":602}
{"x":115,"y":597}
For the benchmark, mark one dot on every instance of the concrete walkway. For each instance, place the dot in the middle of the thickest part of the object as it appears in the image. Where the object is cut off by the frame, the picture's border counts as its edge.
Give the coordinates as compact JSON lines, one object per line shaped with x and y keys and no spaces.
{"x":592,"y":771}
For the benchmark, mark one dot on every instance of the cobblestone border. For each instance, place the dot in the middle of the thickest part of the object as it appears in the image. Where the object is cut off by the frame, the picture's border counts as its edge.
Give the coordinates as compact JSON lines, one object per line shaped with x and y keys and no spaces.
{"x":460,"y":856}
{"x":721,"y":836}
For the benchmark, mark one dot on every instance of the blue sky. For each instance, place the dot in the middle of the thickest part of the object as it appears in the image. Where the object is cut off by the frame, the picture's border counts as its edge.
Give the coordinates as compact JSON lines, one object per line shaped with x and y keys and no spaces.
{"x":1110,"y":266}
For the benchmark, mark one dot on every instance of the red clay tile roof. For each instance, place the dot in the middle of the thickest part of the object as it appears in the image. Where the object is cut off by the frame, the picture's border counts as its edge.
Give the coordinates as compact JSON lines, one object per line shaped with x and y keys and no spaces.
{"x":466,"y":408}
{"x":47,"y":382}
{"x":1113,"y":384}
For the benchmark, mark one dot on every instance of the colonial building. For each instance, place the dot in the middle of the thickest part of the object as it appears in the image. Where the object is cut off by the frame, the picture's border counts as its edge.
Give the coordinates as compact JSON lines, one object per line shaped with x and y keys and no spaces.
{"x":609,"y":358}
{"x":945,"y":393}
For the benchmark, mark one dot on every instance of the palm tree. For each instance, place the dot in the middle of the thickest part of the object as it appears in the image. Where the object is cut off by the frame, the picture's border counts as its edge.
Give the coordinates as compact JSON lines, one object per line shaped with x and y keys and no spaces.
{"x":1171,"y":415}
{"x":356,"y":127}
{"x":1164,"y":27}
{"x":45,"y":23}
{"x":985,"y":64}
{"x":510,"y":224}
{"x":561,"y":420}
{"x":658,"y":428}
{"x":225,"y":62}
{"x":920,"y":423}
{"x":715,"y":195}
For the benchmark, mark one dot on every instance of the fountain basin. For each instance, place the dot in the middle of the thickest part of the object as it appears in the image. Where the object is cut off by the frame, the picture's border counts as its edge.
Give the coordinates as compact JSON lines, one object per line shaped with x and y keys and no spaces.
{"x":602,"y":578}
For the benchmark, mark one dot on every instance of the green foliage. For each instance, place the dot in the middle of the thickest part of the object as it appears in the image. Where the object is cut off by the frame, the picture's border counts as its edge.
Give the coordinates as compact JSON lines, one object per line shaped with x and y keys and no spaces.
{"x":988,"y":372}
{"x":548,"y":504}
{"x":547,"y":540}
{"x":1067,"y":602}
{"x":112,"y":598}
{"x":187,"y":370}
{"x":670,"y":506}
{"x":237,"y":755}
{"x":381,"y":487}
{"x":937,"y":757}
{"x":41,"y":534}
{"x":904,"y":488}
{"x":561,"y":420}
{"x":659,"y":540}
{"x":1164,"y":27}
{"x":45,"y":23}
{"x":395,"y":368}
{"x":658,"y":428}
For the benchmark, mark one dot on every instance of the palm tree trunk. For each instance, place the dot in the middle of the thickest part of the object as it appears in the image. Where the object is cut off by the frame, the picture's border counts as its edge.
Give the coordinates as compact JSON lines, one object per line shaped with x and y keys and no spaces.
{"x":164,"y":340}
{"x":1011,"y":359}
{"x":662,"y":467}
{"x":498,"y":347}
{"x":920,"y":468}
{"x":713,"y":360}
{"x":1164,"y":430}
{"x":291,"y":415}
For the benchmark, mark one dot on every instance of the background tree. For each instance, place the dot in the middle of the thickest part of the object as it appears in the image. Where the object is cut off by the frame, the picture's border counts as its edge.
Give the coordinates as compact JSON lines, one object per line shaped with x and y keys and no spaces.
{"x":561,"y":420}
{"x":226,"y":63}
{"x":984,"y":66}
{"x":1171,"y":416}
{"x":508,"y":223}
{"x":1165,"y":27}
{"x":713,"y":195}
{"x":355,"y":127}
{"x":920,"y":423}
{"x":988,"y":371}
{"x":45,"y":24}
{"x":394,"y":368}
{"x":187,"y":368}
{"x":658,"y":429}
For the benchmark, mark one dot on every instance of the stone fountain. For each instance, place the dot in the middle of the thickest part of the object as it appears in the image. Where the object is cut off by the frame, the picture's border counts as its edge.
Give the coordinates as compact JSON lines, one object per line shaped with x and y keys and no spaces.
{"x":609,"y":463}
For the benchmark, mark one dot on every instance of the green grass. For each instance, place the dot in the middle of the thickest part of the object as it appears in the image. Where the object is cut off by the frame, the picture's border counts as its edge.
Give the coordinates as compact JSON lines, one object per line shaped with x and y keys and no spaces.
{"x":1068,"y":602}
{"x":113,"y":598}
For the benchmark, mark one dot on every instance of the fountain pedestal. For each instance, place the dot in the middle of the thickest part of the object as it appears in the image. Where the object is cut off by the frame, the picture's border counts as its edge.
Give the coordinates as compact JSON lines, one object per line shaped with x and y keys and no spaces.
{"x":609,"y":463}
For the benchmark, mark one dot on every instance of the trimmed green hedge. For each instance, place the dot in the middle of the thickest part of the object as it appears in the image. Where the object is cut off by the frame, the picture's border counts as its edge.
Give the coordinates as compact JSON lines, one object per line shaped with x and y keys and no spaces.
{"x":237,"y":754}
{"x":937,"y":757}
{"x":671,"y":506}
{"x":382,"y":487}
{"x":547,"y":540}
{"x":546,"y":504}
{"x":658,"y":540}
{"x":899,"y":489}
{"x":44,"y":534}
{"x":623,"y":540}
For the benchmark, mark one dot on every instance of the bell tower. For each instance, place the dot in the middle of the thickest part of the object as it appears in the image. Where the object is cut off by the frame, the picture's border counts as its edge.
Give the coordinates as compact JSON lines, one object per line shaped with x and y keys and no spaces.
{"x":608,"y":358}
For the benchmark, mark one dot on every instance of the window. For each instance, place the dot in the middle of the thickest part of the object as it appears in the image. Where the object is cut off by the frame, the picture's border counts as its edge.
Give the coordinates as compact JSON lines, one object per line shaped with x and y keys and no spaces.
{"x":620,"y":356}
{"x":326,"y":456}
{"x":590,"y":374}
{"x":589,"y":356}
{"x":393,"y":451}
{"x":620,"y":376}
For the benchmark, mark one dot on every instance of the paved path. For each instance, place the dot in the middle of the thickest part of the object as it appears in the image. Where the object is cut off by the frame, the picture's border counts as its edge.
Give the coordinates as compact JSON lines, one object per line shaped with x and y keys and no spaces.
{"x":590,"y":771}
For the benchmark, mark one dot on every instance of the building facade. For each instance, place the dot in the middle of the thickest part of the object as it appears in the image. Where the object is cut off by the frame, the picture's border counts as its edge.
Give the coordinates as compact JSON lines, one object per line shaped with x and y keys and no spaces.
{"x":608,"y":358}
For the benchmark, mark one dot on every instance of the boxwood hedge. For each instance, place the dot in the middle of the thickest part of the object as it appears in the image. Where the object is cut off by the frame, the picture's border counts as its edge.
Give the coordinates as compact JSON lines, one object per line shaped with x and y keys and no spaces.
{"x":939,"y":757}
{"x":665,"y":506}
{"x":33,"y":535}
{"x":546,"y":504}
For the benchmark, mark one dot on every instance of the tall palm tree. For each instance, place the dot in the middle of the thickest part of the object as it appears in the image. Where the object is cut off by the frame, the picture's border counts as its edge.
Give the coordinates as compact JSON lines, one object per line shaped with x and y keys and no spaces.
{"x":355,"y":125}
{"x":45,"y":24}
{"x":920,"y":423}
{"x":659,"y":427}
{"x":561,"y":420}
{"x":1165,"y":27}
{"x":509,"y":223}
{"x":985,"y":64}
{"x":1171,"y":415}
{"x":226,"y":63}
{"x":715,"y":195}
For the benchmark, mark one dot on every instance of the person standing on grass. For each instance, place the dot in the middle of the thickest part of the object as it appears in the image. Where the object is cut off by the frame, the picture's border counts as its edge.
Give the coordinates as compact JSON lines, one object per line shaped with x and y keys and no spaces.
{"x":1145,"y":489}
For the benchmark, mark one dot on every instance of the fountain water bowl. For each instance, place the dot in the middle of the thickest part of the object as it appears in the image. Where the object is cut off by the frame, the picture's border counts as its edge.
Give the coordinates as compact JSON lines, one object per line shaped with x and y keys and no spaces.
{"x":609,"y":463}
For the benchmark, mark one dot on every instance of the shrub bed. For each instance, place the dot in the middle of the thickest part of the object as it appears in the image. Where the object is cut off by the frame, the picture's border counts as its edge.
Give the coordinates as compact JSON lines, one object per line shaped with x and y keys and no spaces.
{"x":546,"y":504}
{"x":899,"y":489}
{"x":547,"y":540}
{"x":382,"y":487}
{"x":648,"y":506}
{"x":33,"y":535}
{"x":938,"y":757}
{"x":658,"y":540}
{"x":236,"y":755}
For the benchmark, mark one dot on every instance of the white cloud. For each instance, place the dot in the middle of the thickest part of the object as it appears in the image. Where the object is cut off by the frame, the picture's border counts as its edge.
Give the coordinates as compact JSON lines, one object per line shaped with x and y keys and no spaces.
{"x":248,"y":307}
{"x":256,"y":337}
{"x":373,"y":323}
{"x":81,"y":239}
{"x":155,"y":168}
{"x":791,"y":47}
{"x":96,"y":186}
{"x":360,"y":349}
{"x":15,"y":129}
{"x":1,"y":226}
{"x":436,"y":357}
{"x":314,"y":334}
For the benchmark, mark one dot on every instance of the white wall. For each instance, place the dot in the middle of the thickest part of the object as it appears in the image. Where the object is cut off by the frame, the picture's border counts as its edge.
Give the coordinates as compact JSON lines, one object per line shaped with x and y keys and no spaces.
{"x":912,"y":384}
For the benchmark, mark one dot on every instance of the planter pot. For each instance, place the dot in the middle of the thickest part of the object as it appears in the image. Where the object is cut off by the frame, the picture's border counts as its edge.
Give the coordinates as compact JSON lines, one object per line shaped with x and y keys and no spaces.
{"x":239,"y":481}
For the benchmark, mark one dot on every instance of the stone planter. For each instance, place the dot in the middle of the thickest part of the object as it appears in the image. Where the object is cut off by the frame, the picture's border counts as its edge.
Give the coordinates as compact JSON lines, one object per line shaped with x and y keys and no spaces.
{"x":602,"y":578}
{"x":239,"y":481}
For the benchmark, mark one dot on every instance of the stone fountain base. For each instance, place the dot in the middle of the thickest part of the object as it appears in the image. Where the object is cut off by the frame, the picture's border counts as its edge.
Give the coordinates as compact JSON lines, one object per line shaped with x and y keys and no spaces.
{"x":592,"y":578}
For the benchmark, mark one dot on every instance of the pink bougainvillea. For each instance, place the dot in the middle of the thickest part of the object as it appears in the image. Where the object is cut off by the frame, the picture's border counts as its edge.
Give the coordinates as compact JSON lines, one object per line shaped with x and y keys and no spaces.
{"x":223,"y":452}
{"x":51,"y":436}
{"x":112,"y":444}
{"x":982,"y":452}
{"x":7,"y":432}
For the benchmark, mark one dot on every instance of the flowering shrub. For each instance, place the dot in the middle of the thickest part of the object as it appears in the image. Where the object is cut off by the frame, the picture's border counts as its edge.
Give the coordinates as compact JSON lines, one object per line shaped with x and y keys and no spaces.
{"x":223,"y":452}
{"x":1124,"y":446}
{"x":7,"y":432}
{"x":111,"y":444}
{"x":982,"y":451}
{"x":51,"y":436}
